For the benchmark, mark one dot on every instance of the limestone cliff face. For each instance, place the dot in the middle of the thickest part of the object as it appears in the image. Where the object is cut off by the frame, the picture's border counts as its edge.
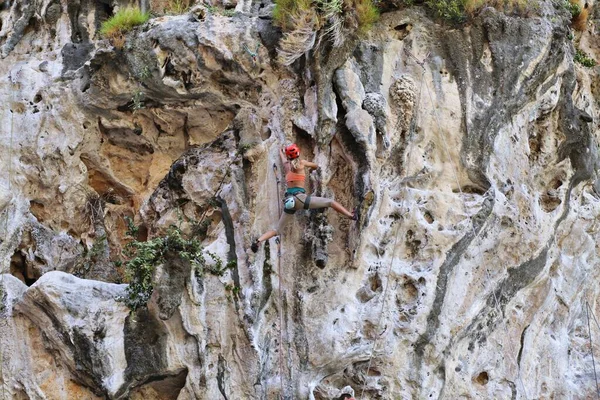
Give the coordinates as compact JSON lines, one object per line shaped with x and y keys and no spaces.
{"x":470,"y":153}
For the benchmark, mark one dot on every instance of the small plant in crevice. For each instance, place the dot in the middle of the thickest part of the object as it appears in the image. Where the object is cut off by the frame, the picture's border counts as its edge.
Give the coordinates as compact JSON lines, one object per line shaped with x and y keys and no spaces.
{"x":137,"y":101}
{"x":122,"y":22}
{"x":145,"y":73}
{"x":579,"y":22}
{"x":90,"y":257}
{"x":584,"y":59}
{"x":572,"y":7}
{"x":244,"y":148}
{"x":232,"y":291}
{"x":226,"y":12}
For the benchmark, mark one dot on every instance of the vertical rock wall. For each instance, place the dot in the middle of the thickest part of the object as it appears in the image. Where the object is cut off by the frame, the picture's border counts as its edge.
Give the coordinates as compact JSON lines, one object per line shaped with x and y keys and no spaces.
{"x":470,"y":154}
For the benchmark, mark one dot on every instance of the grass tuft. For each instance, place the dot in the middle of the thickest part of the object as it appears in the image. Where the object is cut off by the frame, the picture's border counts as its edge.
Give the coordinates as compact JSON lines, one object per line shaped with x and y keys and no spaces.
{"x":177,"y":6}
{"x":122,"y":22}
{"x":306,"y":22}
{"x":287,"y":12}
{"x":366,"y":14}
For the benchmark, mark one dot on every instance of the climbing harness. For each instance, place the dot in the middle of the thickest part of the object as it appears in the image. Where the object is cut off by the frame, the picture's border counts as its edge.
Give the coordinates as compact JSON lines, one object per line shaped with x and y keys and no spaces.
{"x":253,"y":54}
{"x":289,"y":204}
{"x":587,"y":309}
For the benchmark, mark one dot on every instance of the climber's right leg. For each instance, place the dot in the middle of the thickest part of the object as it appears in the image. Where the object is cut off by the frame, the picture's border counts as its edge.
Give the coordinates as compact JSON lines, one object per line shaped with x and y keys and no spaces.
{"x":267,"y":235}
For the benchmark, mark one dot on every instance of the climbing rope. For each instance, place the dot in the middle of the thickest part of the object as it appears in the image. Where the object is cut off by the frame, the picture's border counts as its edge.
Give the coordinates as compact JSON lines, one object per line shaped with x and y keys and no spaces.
{"x":2,"y":273}
{"x":218,"y":189}
{"x":278,"y":188}
{"x":454,"y":172}
{"x":594,"y":317}
{"x":278,"y":241}
{"x":402,"y":207}
{"x":587,"y":309}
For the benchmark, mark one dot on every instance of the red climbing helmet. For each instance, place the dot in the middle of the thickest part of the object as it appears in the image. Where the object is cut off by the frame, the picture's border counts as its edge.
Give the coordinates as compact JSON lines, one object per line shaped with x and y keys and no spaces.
{"x":292,"y":151}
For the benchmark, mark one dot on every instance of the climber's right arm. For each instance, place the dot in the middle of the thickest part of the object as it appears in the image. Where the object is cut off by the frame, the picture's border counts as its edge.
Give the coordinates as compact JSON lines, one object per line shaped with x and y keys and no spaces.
{"x":284,"y":161}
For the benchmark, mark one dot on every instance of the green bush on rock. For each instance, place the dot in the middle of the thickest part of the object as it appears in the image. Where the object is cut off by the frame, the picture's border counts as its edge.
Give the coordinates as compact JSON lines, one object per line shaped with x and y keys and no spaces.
{"x":584,"y":59}
{"x":144,"y":256}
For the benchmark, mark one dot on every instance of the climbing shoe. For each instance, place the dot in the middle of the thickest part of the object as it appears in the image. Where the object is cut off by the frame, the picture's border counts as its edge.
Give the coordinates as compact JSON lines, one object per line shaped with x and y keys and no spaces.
{"x":254,"y":246}
{"x":355,"y":215}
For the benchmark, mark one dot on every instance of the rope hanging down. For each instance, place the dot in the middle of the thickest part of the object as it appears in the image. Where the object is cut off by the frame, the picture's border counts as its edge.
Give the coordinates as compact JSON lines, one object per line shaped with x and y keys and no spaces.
{"x":454,"y":172}
{"x":587,"y":309}
{"x":402,"y":207}
{"x":278,"y":241}
{"x":2,"y":289}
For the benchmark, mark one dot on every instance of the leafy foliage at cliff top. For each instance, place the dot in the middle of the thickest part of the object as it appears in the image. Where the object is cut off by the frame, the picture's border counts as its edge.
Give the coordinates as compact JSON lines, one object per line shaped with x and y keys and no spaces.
{"x":305,"y":21}
{"x":459,"y":10}
{"x":123,"y":21}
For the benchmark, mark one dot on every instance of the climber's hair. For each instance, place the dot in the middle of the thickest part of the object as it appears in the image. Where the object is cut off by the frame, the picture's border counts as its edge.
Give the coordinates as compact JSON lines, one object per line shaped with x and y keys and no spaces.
{"x":295,"y":163}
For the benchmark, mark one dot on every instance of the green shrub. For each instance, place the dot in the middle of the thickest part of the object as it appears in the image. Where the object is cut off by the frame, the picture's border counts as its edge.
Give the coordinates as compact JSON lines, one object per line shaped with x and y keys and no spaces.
{"x":123,"y":21}
{"x":584,"y":59}
{"x":449,"y":10}
{"x":458,"y":11}
{"x":572,"y":6}
{"x":143,"y":257}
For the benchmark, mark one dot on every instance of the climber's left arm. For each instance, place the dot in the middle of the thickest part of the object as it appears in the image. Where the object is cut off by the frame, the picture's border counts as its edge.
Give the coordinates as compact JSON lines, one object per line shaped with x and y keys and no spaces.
{"x":310,"y":165}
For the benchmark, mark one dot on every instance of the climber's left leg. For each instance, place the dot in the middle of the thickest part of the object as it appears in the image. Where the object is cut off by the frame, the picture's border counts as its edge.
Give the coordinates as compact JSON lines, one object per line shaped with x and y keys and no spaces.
{"x":311,"y":202}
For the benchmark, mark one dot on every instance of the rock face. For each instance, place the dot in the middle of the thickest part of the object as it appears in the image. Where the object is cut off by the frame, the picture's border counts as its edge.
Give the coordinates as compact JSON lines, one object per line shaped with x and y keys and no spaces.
{"x":469,"y":153}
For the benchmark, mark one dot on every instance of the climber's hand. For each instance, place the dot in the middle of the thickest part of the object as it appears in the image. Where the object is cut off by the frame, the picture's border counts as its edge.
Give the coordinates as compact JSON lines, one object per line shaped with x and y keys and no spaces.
{"x":254,"y":247}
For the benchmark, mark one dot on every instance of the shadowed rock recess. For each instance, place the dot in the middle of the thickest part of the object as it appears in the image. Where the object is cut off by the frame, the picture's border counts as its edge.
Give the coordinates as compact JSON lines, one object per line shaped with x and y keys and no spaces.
{"x":470,"y":153}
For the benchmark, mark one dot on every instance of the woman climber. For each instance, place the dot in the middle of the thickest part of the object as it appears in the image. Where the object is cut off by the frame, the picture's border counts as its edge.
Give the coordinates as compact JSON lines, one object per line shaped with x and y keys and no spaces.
{"x":295,"y":195}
